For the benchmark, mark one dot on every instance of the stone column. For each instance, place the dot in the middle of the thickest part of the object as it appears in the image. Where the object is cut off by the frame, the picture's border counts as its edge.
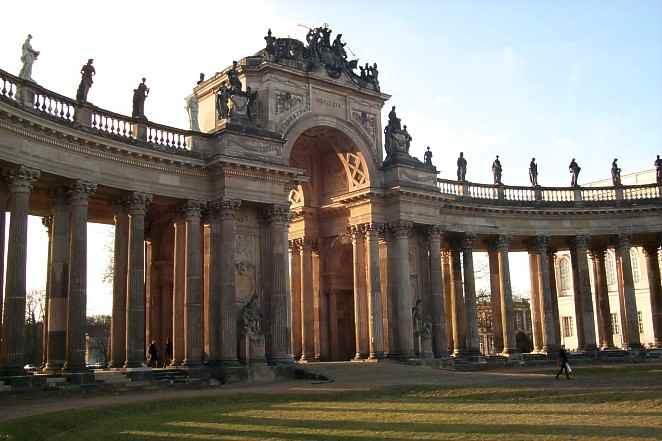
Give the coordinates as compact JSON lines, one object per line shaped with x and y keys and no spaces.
{"x":536,"y":307}
{"x":457,"y":302}
{"x":495,"y":297}
{"x":507,"y":318}
{"x":21,"y":181}
{"x":472,"y":340}
{"x":602,"y":298}
{"x":3,"y":208}
{"x":448,"y":301}
{"x":375,"y":328}
{"x":120,"y":262}
{"x":583,"y":298}
{"x":653,"y":270}
{"x":405,"y":331}
{"x":178,"y":294}
{"x":193,"y":291}
{"x":57,"y":283}
{"x":280,"y":324}
{"x":437,"y":302}
{"x":629,"y":313}
{"x":551,"y":260}
{"x":135,"y":281}
{"x":47,"y":221}
{"x":79,"y":194}
{"x":550,"y":344}
{"x":320,"y":308}
{"x":213,"y":339}
{"x":360,"y":296}
{"x":306,"y":306}
{"x":392,"y":294}
{"x":295,"y":283}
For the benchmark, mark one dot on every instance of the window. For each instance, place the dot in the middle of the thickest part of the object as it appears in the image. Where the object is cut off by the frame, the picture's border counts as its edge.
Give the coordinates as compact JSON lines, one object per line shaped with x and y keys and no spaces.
{"x":567,"y":326}
{"x":640,"y":319}
{"x":564,"y":274}
{"x":610,"y":262}
{"x":615,"y":328}
{"x":635,"y":265}
{"x":519,"y":320}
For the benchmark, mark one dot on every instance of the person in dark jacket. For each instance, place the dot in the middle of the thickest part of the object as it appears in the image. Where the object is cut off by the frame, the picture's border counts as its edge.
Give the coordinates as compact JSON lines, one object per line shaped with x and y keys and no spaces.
{"x":168,"y":353}
{"x":563,"y":363}
{"x":153,"y":354}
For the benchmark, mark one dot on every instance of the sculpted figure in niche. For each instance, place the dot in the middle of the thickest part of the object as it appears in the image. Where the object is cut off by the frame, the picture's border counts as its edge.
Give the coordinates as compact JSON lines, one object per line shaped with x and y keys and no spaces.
{"x":87,"y":72}
{"x":417,"y":316}
{"x":658,"y":170}
{"x":252,"y":103}
{"x":533,"y":172}
{"x":192,"y":110}
{"x":496,"y":171}
{"x":139,"y":95}
{"x":251,"y":318}
{"x":615,"y":173}
{"x":427,"y":157}
{"x":461,"y":167}
{"x":574,"y":171}
{"x":28,"y":57}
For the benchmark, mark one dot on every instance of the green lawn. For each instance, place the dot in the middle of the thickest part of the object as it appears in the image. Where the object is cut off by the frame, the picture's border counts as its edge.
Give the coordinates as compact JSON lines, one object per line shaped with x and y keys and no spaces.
{"x":572,"y":412}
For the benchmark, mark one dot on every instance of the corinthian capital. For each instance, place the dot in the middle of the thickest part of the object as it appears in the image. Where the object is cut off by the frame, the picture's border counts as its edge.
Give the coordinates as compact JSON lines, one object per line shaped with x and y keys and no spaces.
{"x":80,"y":191}
{"x":503,"y":242}
{"x":279,"y":214}
{"x":435,"y":232}
{"x":22,"y":178}
{"x":137,"y":202}
{"x":401,"y":228}
{"x":192,"y":209}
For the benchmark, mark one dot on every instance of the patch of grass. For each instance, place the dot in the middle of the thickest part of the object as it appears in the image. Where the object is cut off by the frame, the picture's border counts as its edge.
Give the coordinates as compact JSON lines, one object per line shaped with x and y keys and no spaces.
{"x":512,"y":413}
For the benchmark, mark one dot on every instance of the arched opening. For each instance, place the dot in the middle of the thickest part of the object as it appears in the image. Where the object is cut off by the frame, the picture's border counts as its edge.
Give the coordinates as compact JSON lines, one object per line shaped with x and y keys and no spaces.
{"x":322,"y":267}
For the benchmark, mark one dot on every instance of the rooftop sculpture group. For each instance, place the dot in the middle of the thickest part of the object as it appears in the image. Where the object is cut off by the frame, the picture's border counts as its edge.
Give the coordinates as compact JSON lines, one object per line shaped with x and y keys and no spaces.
{"x":320,"y":51}
{"x":396,"y":138}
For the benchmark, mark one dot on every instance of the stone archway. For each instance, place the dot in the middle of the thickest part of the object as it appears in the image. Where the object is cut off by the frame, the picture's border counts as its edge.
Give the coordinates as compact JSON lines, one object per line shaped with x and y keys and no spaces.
{"x":323,"y":316}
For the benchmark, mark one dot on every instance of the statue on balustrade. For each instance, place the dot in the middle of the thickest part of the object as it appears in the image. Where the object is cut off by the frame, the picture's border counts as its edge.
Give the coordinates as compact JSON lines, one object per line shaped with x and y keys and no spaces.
{"x":233,"y":79}
{"x":222,"y":97}
{"x":461,"y":167}
{"x":427,"y":157}
{"x":533,"y":172}
{"x":615,"y":173}
{"x":496,"y":171}
{"x":86,"y":80}
{"x":658,"y":170}
{"x":202,"y":78}
{"x":139,"y":95}
{"x":397,"y":139}
{"x":251,"y":110}
{"x":192,"y":110}
{"x":574,"y":171}
{"x":28,"y":57}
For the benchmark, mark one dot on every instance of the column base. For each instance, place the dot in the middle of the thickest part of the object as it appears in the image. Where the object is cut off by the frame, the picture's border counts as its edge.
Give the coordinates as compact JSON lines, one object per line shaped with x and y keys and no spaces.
{"x":308,"y":358}
{"x":132,"y":365}
{"x":191,"y":363}
{"x":281,"y":360}
{"x":360,"y":357}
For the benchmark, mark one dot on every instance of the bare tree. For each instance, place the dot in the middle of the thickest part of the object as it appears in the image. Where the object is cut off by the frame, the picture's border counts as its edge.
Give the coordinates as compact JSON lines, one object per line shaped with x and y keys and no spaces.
{"x":35,"y":310}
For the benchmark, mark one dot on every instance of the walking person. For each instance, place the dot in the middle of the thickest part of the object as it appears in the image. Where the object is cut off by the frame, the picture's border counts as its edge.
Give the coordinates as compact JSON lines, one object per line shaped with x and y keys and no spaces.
{"x":153,"y":355}
{"x":563,"y":363}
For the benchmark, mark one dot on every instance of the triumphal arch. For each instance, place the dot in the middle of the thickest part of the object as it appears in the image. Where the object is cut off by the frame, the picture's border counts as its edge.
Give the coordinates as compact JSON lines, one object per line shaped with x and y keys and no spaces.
{"x":287,"y":224}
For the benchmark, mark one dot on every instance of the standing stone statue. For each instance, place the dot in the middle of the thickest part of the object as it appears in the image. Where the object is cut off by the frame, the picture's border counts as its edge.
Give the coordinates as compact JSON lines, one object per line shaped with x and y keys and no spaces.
{"x":574,"y":170}
{"x":87,"y":72}
{"x":202,"y":78}
{"x":233,"y":79}
{"x":252,"y":103}
{"x":28,"y":56}
{"x":461,"y":167}
{"x":658,"y":170}
{"x":192,"y":110}
{"x":427,"y":157}
{"x":139,"y":95}
{"x":417,"y":317}
{"x":533,"y":172}
{"x":496,"y":171}
{"x":222,"y":96}
{"x":615,"y":173}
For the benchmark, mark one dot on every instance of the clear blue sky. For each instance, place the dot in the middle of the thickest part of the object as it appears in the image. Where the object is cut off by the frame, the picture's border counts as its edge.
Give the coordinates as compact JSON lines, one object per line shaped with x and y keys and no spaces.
{"x":550,"y":79}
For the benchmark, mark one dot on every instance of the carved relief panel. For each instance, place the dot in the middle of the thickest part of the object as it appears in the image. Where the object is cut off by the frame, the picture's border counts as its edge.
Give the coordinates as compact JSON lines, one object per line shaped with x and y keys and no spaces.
{"x":247,"y":262}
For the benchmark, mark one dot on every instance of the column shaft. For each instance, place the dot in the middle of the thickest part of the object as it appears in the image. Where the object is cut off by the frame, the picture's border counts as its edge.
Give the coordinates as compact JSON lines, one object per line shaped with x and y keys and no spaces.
{"x":376,"y":337}
{"x":295,"y":275}
{"x":280,"y":324}
{"x":507,"y":318}
{"x":583,"y":299}
{"x":495,"y":298}
{"x":47,"y":221}
{"x":404,"y":305}
{"x":360,"y":295}
{"x":448,"y":301}
{"x":536,"y":313}
{"x":59,"y":273}
{"x":653,"y":270}
{"x":214,"y":300}
{"x":193,"y":291}
{"x":472,"y":339}
{"x":437,"y":303}
{"x":457,"y":301}
{"x":77,"y":297}
{"x":628,"y":301}
{"x":551,"y":259}
{"x":135,"y":282}
{"x":13,"y":321}
{"x":306,"y":306}
{"x":178,"y":294}
{"x":228,"y":300}
{"x":602,"y":299}
{"x":550,"y":344}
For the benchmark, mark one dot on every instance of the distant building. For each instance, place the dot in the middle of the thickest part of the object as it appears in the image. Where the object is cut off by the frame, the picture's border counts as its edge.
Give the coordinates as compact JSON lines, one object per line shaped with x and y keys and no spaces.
{"x":486,"y":331}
